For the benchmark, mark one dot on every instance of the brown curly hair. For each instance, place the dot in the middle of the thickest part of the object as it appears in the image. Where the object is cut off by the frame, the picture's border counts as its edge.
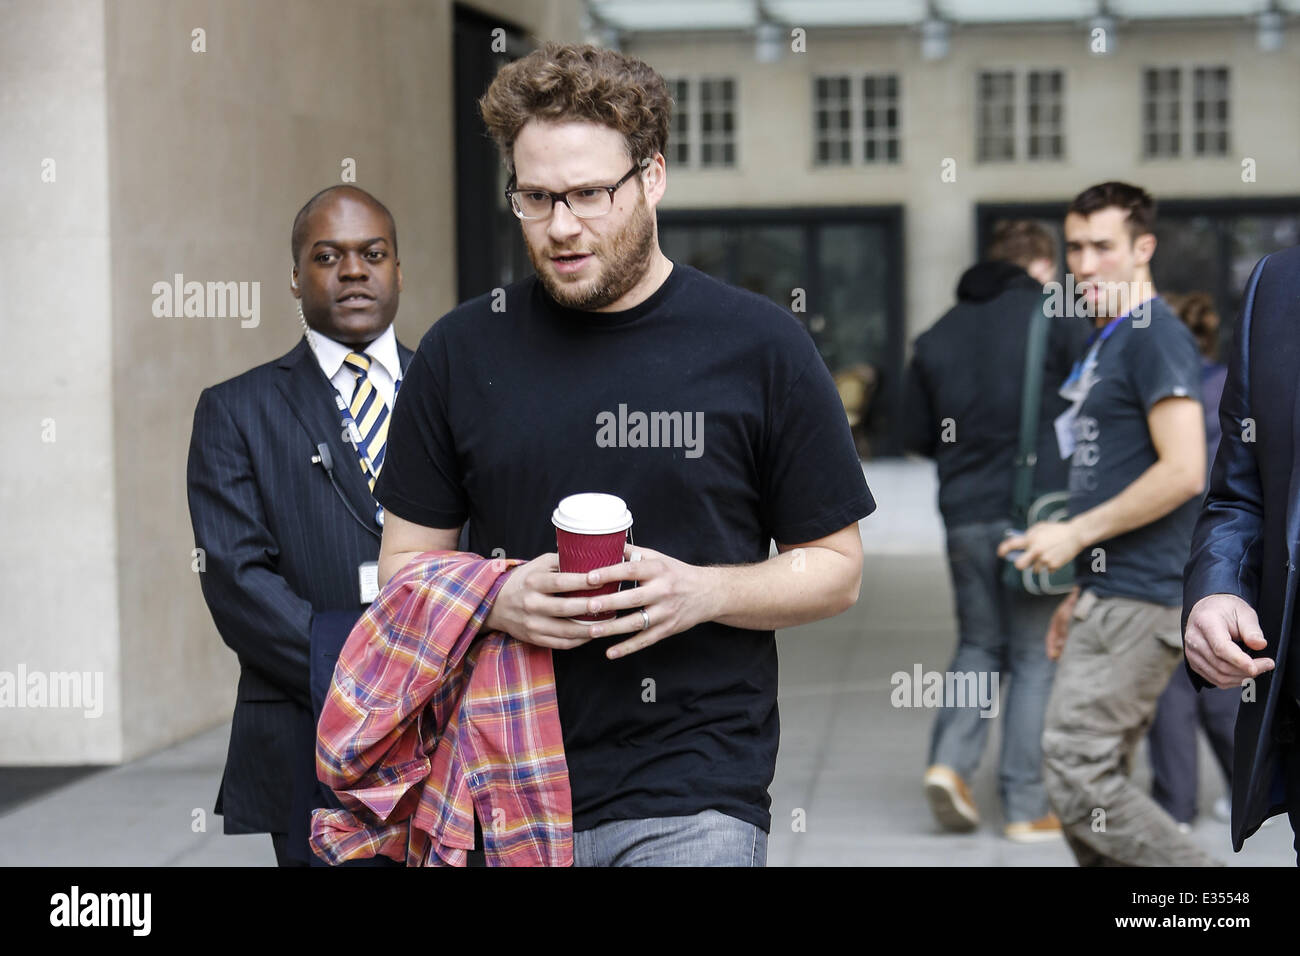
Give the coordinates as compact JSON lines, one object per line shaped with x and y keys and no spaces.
{"x":1198,"y":313}
{"x":567,"y":81}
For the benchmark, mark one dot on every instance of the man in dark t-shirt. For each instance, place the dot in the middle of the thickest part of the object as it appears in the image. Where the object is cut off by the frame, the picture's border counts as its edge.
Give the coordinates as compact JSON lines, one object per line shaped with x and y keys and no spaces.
{"x":1136,"y":443}
{"x":707,"y":409}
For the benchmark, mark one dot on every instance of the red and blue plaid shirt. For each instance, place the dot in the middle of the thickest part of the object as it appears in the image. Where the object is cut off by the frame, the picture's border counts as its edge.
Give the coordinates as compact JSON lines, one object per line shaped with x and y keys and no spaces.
{"x":428,"y":718}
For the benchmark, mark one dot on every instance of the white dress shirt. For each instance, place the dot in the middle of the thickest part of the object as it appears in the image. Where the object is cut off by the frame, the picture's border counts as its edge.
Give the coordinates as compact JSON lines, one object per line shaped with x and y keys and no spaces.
{"x":385,"y":368}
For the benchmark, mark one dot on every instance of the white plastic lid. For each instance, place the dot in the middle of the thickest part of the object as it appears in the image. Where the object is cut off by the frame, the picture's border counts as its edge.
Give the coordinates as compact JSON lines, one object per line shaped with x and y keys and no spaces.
{"x":592,"y":513}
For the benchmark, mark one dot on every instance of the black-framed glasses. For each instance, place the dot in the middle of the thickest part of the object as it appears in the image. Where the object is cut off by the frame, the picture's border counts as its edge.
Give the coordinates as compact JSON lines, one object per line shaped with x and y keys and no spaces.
{"x":585,"y":202}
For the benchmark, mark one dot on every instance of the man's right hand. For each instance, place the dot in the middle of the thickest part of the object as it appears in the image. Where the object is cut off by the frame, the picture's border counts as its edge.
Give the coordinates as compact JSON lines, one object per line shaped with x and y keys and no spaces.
{"x":1219,"y":622}
{"x":529,"y":609}
{"x":1059,"y":628}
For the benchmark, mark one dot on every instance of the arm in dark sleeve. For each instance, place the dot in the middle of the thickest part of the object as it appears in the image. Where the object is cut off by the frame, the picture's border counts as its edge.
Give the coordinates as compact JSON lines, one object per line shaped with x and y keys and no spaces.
{"x":920,"y":430}
{"x":256,"y":612}
{"x":1225,"y":553}
{"x":421,"y":479}
{"x":812,"y":481}
{"x":329,"y":632}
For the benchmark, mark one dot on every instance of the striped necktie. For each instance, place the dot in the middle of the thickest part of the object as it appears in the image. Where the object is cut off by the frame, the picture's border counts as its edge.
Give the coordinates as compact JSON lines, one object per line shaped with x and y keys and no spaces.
{"x":371,"y":417}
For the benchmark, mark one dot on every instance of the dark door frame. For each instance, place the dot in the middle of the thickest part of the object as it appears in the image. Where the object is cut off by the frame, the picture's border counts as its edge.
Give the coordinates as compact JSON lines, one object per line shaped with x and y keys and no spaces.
{"x":478,"y":222}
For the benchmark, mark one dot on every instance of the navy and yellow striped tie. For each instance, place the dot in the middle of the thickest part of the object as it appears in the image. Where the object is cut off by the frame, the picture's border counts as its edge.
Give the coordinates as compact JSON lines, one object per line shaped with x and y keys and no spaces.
{"x":371,"y":417}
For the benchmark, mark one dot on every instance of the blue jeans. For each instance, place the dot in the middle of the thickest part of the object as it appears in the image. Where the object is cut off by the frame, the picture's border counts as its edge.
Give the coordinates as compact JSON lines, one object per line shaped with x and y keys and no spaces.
{"x":709,"y":838}
{"x":999,"y":631}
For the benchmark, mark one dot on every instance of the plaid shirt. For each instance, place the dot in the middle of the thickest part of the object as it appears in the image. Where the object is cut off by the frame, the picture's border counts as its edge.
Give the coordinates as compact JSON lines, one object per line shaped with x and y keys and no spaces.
{"x":424,"y":723}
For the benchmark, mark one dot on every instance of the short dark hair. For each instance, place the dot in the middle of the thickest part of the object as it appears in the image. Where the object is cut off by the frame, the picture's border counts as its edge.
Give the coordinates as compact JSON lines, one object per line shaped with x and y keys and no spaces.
{"x":1021,"y":241}
{"x":1134,"y":200}
{"x":299,"y":234}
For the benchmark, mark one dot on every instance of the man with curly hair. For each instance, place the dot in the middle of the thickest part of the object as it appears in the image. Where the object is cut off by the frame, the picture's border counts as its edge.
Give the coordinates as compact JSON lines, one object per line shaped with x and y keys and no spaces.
{"x":671,"y":728}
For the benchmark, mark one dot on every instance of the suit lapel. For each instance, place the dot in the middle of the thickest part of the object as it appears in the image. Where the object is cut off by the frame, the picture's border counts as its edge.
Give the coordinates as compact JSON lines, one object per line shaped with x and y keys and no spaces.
{"x":310,"y":396}
{"x":1292,"y":522}
{"x":1292,"y":511}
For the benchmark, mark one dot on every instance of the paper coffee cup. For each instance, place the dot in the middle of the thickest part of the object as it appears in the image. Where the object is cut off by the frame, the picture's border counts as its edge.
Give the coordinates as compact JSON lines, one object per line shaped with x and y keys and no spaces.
{"x":590,"y":531}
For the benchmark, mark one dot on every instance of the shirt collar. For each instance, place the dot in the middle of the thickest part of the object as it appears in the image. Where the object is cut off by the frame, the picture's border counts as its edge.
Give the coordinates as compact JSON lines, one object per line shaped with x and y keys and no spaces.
{"x":330,"y":354}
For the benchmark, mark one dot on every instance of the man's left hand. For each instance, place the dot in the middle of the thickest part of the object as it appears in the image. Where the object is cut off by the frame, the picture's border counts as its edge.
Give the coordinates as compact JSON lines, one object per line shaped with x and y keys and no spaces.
{"x":675,"y":595}
{"x":1048,"y":546}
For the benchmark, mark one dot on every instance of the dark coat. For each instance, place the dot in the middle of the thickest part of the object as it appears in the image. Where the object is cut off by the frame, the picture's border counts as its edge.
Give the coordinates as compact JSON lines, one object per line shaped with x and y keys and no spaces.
{"x":1245,"y":541}
{"x":283,"y":540}
{"x":968,"y":369}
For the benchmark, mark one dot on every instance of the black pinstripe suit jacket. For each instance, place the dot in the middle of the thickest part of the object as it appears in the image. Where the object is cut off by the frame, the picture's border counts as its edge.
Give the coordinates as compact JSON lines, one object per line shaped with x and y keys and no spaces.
{"x":281,"y":549}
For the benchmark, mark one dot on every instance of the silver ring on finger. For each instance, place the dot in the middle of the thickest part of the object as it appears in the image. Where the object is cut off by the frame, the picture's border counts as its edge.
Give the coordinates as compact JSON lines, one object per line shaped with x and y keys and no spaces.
{"x":645,"y":619}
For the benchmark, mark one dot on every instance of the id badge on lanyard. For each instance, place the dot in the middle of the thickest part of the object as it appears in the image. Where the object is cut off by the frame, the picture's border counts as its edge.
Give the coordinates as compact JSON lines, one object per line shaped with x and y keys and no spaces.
{"x":1077,"y":386}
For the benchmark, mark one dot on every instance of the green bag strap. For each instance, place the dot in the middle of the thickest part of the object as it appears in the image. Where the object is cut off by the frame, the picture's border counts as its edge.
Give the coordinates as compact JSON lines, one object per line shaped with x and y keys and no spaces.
{"x":1030,"y":398}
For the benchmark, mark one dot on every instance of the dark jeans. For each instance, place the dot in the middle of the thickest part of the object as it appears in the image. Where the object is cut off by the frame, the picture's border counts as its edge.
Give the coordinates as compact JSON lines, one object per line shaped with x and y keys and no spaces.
{"x":999,"y":631}
{"x":1180,"y":710}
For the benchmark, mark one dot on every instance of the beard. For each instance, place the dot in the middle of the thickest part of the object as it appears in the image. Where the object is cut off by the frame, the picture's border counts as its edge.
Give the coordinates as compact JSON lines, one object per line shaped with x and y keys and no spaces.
{"x":623,"y":259}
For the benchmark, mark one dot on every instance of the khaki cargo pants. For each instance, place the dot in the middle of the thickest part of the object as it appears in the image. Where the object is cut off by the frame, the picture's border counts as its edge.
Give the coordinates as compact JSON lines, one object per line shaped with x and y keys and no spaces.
{"x":1117,"y":660}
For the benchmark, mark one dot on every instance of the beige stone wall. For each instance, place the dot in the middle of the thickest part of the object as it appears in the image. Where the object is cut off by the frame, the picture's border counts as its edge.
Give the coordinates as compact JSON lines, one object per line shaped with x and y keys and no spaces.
{"x":176,"y":161}
{"x":938,"y":121}
{"x":58,"y":584}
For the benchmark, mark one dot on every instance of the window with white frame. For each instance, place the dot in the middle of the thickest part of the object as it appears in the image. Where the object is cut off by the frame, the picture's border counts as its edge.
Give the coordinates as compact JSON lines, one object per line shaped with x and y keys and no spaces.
{"x":832,"y":121}
{"x":679,"y":146}
{"x":1162,"y":113}
{"x":996,"y":116}
{"x":1186,"y":111}
{"x":1009,"y":126}
{"x":855,"y":119}
{"x":717,"y":122}
{"x":1046,"y":132}
{"x":1210,"y":111}
{"x":703,"y":134}
{"x":880,"y":118}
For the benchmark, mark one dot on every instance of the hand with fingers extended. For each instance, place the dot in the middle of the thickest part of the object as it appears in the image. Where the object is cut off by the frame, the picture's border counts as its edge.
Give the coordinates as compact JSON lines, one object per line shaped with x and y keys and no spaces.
{"x":1215,"y":626}
{"x":532,"y":607}
{"x":670,"y":597}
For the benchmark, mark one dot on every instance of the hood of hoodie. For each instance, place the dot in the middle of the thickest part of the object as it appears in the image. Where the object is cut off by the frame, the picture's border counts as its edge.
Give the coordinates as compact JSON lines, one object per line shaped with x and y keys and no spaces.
{"x":987,"y":280}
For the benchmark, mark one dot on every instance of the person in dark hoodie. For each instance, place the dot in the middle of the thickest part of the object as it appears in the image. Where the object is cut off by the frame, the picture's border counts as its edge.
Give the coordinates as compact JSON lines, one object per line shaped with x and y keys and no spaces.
{"x":962,"y":408}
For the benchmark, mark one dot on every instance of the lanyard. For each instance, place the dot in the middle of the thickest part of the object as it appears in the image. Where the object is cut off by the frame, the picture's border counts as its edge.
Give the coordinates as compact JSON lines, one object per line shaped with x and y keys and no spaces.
{"x":1095,"y":341}
{"x":1107,"y":331}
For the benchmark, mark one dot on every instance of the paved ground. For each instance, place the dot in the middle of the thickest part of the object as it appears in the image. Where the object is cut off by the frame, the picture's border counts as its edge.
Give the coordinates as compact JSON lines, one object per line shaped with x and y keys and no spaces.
{"x":849,"y":766}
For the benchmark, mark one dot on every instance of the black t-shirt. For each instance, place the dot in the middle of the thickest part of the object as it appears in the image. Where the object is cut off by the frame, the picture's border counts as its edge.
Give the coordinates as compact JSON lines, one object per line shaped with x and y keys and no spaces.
{"x":1136,"y":367}
{"x":505,"y":411}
